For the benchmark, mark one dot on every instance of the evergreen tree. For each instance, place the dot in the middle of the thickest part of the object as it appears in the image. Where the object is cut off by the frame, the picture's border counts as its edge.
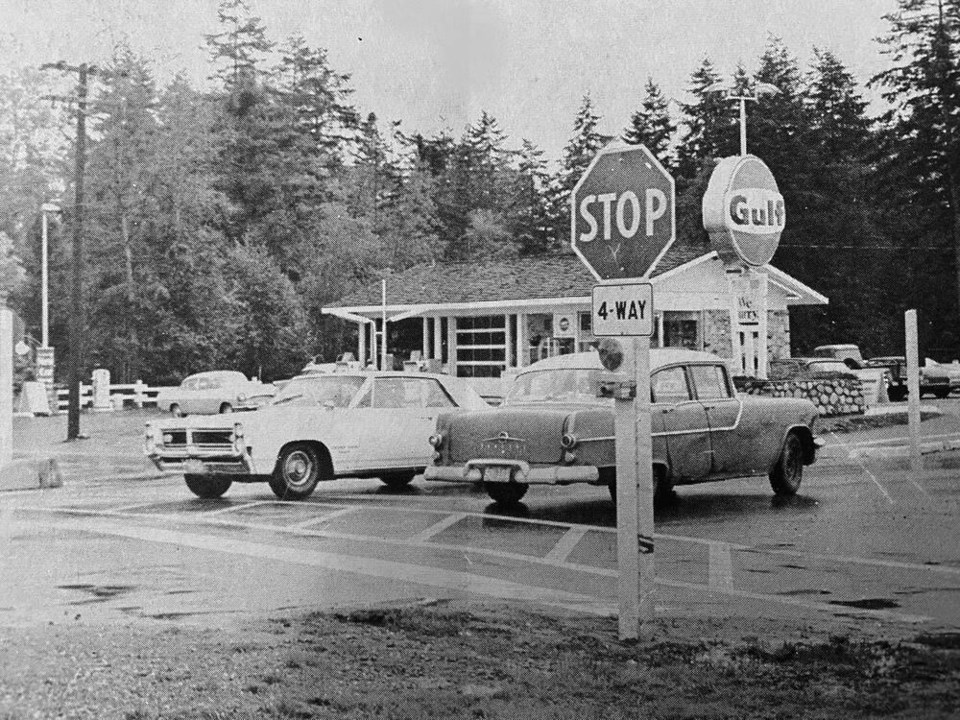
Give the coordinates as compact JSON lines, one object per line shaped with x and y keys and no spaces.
{"x":709,"y":127}
{"x":923,"y":88}
{"x":651,"y":125}
{"x":530,"y":217}
{"x":579,"y":152}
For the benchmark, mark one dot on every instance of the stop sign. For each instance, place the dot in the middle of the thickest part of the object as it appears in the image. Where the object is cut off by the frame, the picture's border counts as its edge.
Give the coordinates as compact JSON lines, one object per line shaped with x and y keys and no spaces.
{"x":623,"y":213}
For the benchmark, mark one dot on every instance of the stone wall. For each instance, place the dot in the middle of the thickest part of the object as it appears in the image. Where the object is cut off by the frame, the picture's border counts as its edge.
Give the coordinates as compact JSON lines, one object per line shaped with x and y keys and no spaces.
{"x":840,"y":396}
{"x":716,"y":333}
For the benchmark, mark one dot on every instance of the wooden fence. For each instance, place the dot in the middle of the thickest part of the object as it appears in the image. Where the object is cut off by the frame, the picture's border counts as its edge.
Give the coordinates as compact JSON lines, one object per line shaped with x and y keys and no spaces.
{"x":137,"y":394}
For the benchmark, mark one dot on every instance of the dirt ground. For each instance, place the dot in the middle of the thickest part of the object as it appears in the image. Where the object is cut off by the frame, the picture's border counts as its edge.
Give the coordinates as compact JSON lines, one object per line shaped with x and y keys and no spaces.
{"x":442,"y":660}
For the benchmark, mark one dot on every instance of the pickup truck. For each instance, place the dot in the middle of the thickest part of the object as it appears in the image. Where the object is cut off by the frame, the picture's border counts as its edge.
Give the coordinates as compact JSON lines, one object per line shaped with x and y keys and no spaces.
{"x":935,"y":379}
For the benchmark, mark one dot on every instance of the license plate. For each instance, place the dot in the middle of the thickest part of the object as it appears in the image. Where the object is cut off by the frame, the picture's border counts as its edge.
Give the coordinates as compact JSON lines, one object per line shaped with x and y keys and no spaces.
{"x":497,"y":473}
{"x":507,"y":448}
{"x":194,"y":467}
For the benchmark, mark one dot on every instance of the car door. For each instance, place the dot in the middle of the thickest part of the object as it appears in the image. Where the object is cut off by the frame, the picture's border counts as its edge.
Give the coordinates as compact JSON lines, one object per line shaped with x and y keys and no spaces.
{"x":196,"y":399}
{"x":403,"y":416}
{"x":682,"y":421}
{"x":731,"y":448}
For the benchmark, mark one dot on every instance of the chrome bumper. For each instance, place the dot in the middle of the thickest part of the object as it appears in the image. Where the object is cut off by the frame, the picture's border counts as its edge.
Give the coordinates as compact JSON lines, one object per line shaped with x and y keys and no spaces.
{"x":200,"y":465}
{"x":522,"y":472}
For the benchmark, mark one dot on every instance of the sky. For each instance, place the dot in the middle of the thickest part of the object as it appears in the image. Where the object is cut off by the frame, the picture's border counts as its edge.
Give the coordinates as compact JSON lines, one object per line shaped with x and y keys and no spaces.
{"x":436,"y":64}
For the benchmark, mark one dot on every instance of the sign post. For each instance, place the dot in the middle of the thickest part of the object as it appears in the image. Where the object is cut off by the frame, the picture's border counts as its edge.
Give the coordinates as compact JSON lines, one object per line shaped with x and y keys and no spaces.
{"x":623,"y":220}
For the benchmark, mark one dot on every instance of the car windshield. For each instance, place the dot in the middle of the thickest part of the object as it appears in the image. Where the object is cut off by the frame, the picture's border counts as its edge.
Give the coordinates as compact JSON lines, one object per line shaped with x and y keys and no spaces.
{"x":320,"y":390}
{"x":558,"y":385}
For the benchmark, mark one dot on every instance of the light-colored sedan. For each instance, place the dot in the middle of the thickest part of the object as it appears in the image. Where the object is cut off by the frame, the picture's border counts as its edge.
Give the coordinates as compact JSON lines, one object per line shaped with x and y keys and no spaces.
{"x":317,"y":427}
{"x":553,"y":429}
{"x":214,"y":391}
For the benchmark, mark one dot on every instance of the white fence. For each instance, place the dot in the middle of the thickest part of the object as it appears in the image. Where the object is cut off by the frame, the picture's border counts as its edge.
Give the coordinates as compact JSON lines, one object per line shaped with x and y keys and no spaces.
{"x":137,"y":394}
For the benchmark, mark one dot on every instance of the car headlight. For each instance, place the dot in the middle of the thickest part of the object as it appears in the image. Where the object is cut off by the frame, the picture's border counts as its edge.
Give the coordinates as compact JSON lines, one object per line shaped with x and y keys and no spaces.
{"x":436,"y":440}
{"x":241,"y":398}
{"x":568,"y":441}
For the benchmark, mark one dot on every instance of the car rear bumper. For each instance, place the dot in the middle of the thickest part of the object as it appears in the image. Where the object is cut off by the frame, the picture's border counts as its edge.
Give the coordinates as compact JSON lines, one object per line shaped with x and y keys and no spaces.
{"x":516,"y":471}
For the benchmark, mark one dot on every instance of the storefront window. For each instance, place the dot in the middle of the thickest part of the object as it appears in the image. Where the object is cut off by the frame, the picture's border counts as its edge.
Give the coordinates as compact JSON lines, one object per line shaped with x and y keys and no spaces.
{"x":481,"y":346}
{"x":681,"y":330}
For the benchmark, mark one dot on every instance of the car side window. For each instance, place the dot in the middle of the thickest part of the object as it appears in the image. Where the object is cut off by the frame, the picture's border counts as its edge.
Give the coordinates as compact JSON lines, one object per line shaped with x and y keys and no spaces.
{"x":389,"y":393}
{"x":710,"y":382}
{"x":670,"y":385}
{"x":434,"y":396}
{"x":189,"y":384}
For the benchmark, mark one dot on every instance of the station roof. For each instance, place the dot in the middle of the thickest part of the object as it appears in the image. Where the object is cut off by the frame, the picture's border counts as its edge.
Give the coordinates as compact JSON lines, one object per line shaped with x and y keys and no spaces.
{"x":560,"y":275}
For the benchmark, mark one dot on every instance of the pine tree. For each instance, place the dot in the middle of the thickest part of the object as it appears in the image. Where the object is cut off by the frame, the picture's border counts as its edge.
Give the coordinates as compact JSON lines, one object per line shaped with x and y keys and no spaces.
{"x":579,"y":152}
{"x":530,"y":218}
{"x":709,"y":129}
{"x":651,"y":125}
{"x":923,"y":88}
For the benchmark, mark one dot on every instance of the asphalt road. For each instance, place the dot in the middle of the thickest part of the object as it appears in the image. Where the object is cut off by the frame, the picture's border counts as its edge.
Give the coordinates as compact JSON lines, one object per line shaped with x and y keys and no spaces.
{"x":865,"y":541}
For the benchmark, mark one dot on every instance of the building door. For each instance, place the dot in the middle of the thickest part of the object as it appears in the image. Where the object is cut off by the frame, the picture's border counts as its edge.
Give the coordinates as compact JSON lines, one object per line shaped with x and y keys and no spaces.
{"x":750,"y":352}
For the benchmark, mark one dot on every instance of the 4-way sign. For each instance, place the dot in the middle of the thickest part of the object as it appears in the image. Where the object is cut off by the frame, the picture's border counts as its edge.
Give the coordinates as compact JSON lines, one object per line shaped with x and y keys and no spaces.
{"x":623,"y":213}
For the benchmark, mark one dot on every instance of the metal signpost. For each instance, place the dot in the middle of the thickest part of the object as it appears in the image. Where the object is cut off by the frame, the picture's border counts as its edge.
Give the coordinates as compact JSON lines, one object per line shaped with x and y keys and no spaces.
{"x":623,"y":220}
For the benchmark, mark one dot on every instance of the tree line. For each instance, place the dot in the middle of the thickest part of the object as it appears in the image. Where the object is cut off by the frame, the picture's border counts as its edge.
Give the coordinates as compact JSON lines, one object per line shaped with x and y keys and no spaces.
{"x":218,"y":221}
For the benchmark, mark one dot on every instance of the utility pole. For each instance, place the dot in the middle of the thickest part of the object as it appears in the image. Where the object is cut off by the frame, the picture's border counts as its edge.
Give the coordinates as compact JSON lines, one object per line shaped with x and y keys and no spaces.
{"x":75,"y":360}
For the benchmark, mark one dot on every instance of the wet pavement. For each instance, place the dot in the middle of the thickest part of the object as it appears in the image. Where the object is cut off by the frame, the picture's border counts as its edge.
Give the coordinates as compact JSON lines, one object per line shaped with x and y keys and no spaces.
{"x":866,"y":540}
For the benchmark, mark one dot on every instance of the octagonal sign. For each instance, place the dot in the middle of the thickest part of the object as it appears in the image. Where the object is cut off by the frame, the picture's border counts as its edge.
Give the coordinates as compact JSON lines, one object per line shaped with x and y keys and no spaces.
{"x":623,"y":213}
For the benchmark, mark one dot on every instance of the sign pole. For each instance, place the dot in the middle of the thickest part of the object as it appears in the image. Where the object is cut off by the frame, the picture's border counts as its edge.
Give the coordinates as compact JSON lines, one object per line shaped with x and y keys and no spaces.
{"x":628,"y":498}
{"x":913,"y":389}
{"x":644,"y":465}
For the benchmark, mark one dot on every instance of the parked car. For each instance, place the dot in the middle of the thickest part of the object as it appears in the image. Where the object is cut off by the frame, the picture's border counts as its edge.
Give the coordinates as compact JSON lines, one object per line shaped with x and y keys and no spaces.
{"x":319,"y":426}
{"x":845,"y":352}
{"x":552,"y":429}
{"x":214,"y":391}
{"x":935,"y":379}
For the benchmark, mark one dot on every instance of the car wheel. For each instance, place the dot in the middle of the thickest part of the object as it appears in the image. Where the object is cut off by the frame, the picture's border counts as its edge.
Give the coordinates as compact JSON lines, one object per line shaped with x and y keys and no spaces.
{"x":662,"y":488}
{"x":506,"y":493}
{"x":176,"y":411}
{"x":208,"y":486}
{"x":226,"y":408}
{"x":788,"y":472}
{"x":396,"y":481}
{"x":297,"y":472}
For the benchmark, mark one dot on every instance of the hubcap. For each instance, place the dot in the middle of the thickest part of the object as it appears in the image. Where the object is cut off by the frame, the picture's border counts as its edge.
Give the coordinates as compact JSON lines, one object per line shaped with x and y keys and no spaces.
{"x":297,"y":468}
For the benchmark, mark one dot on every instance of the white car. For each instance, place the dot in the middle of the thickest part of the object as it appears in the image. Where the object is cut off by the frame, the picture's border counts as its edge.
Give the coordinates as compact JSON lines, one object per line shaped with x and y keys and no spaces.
{"x":214,"y":391}
{"x":317,"y":427}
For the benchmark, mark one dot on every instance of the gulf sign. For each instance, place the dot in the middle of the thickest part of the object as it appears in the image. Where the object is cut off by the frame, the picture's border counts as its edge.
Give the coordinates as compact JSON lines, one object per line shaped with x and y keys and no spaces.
{"x":743,"y":211}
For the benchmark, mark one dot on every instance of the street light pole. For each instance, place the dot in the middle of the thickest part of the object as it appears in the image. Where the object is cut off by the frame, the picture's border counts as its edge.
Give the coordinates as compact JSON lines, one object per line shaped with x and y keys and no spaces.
{"x":45,"y":278}
{"x":760,"y":89}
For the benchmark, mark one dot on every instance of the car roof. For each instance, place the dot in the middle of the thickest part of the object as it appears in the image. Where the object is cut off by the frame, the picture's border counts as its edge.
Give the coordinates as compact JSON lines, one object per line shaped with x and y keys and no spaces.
{"x":659,"y":357}
{"x":217,"y":373}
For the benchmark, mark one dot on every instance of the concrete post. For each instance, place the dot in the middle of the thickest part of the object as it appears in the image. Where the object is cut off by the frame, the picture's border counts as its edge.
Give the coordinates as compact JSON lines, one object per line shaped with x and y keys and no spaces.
{"x":101,"y":391}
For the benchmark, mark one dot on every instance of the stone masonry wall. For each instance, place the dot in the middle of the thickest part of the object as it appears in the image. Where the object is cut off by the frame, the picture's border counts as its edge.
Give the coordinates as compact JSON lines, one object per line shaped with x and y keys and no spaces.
{"x":839,"y":396}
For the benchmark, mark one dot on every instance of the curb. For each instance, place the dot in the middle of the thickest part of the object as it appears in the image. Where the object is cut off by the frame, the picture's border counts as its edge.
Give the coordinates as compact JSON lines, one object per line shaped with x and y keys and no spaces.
{"x":902,"y":451}
{"x":30,"y":475}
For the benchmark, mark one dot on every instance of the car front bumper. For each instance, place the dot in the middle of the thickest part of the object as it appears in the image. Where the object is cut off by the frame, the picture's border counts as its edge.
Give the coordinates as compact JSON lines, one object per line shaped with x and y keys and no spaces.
{"x":512,"y":471}
{"x":202,"y":464}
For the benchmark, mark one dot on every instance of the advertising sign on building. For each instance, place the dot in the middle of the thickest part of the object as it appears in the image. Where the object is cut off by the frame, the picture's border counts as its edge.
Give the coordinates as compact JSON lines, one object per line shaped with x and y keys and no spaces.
{"x":743,"y":211}
{"x":564,"y":325}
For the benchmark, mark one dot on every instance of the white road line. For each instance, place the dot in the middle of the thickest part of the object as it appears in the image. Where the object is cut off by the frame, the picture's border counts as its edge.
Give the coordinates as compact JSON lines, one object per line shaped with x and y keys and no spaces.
{"x":437,"y":528}
{"x":558,"y":555}
{"x":721,"y":566}
{"x":900,"y":440}
{"x":322,"y":519}
{"x":236,"y":508}
{"x":358,"y":565}
{"x":940,"y":569}
{"x":867,"y":471}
